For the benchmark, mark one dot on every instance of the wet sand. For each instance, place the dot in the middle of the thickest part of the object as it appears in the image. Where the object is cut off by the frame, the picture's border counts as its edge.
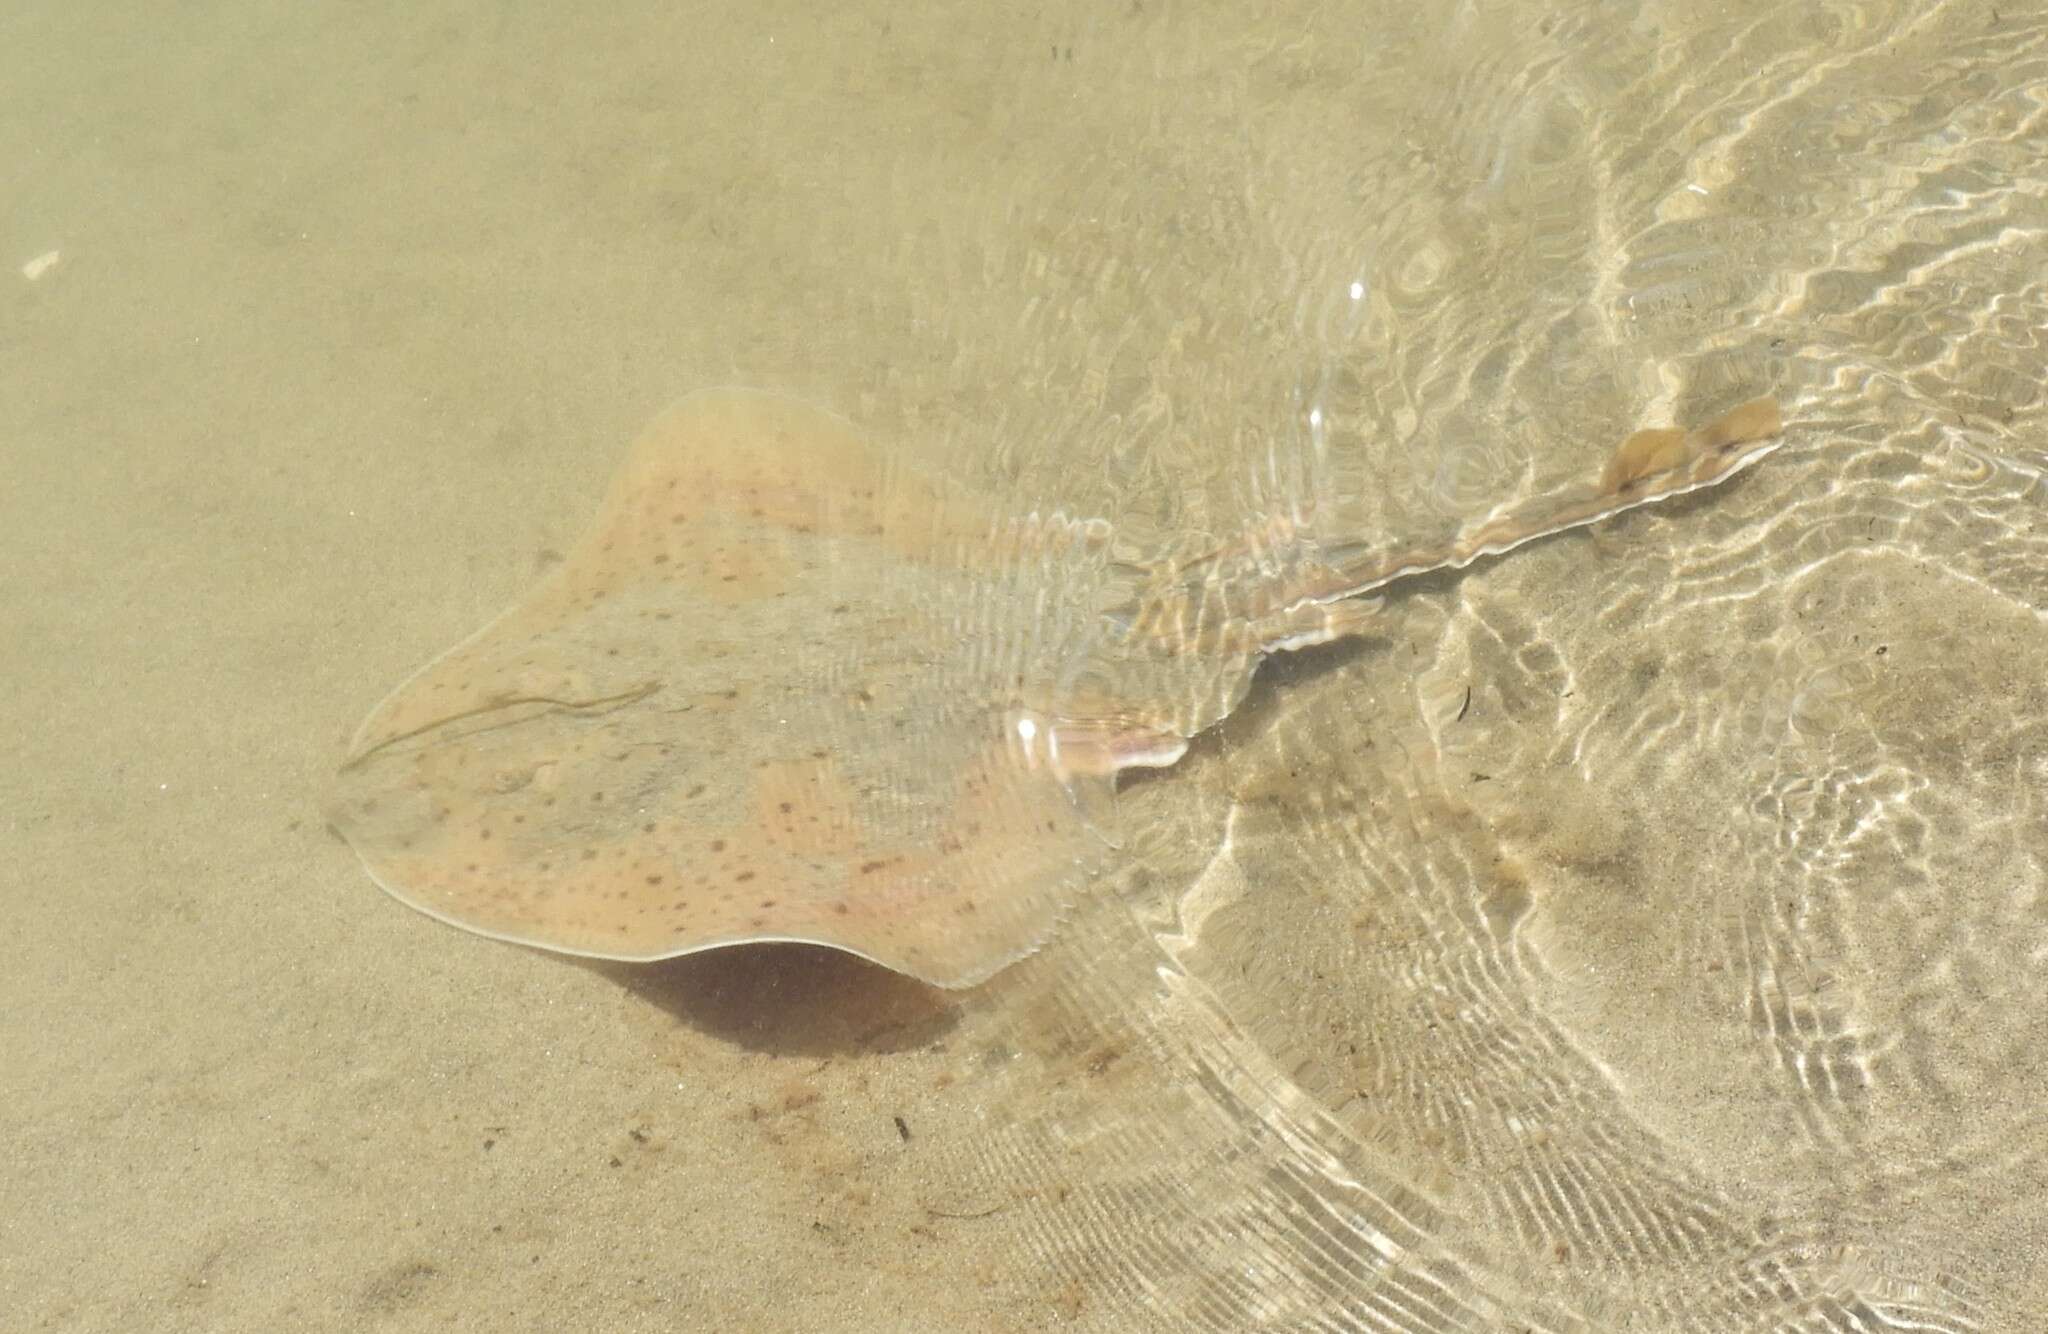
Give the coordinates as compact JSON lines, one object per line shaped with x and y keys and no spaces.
{"x":348,"y":326}
{"x":260,"y":465}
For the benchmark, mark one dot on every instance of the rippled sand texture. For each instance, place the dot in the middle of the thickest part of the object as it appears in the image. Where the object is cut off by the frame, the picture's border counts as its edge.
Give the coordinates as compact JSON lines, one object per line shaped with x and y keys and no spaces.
{"x":1650,"y":942}
{"x":1643,"y":931}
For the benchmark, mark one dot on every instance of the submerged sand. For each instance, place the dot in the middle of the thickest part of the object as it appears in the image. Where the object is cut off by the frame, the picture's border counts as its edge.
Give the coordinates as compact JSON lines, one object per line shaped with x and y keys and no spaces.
{"x":348,"y":323}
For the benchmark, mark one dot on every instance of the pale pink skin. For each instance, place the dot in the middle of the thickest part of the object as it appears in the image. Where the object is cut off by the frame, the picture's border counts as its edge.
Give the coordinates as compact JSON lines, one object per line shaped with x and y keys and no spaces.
{"x":1331,"y":600}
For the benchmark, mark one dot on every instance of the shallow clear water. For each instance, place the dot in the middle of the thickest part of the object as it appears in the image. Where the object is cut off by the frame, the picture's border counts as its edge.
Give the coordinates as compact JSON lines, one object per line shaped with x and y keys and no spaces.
{"x":1643,"y":931}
